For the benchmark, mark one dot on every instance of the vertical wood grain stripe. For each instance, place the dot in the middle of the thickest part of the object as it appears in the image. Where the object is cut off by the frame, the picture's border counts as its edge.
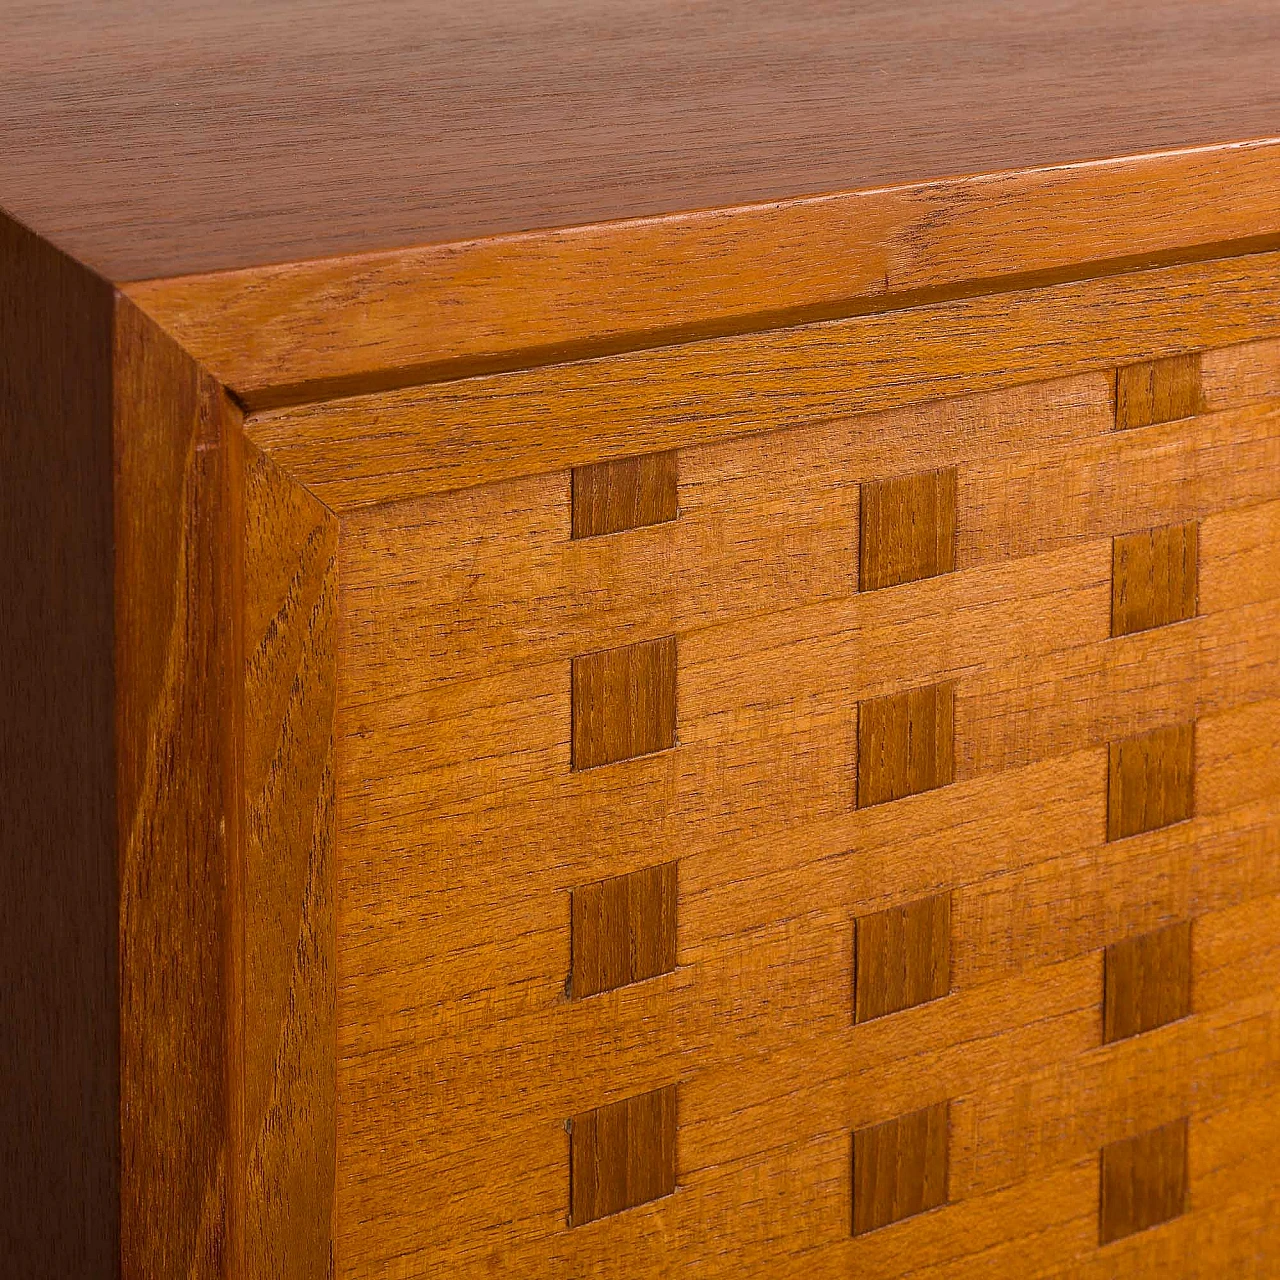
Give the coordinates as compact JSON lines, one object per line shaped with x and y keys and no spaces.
{"x":628,"y":493}
{"x":290,"y":689}
{"x":900,"y":1167}
{"x":1143,"y":1181}
{"x":1151,"y":780}
{"x":623,"y":930}
{"x":1158,"y":391}
{"x":902,"y":957}
{"x":1147,"y":982}
{"x":181,"y":1174}
{"x":908,"y":529}
{"x":1154,"y":577}
{"x":64,"y":1052}
{"x":622,"y":1154}
{"x":624,"y":702}
{"x":905,"y":743}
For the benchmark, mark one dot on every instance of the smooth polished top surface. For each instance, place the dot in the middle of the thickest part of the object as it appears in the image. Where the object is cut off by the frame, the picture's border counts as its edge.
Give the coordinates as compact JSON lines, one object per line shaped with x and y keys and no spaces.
{"x":163,"y":137}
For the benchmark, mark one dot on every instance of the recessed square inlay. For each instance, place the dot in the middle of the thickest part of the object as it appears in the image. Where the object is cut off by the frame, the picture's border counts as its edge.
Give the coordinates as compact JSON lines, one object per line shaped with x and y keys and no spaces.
{"x":1158,"y":391}
{"x":1154,"y":577}
{"x":622,"y":1155}
{"x":1144,"y":1181}
{"x":1151,"y":781}
{"x":908,"y":529}
{"x":900,"y":1168}
{"x":628,"y":493}
{"x":902,"y":957}
{"x":905,"y":743}
{"x":1147,"y":982}
{"x":624,"y":930}
{"x":624,"y":702}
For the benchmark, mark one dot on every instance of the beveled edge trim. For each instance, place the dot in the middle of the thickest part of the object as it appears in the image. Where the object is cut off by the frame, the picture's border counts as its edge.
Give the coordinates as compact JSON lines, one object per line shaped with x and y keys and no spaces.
{"x":387,"y":446}
{"x":301,"y":332}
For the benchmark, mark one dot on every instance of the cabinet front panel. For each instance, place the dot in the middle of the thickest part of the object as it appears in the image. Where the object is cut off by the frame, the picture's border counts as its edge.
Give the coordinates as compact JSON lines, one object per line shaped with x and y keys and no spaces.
{"x":597,"y":1004}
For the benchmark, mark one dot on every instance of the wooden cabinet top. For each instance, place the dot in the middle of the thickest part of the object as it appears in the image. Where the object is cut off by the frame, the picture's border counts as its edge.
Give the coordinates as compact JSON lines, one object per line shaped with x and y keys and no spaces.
{"x":161,"y":140}
{"x":319,"y":200}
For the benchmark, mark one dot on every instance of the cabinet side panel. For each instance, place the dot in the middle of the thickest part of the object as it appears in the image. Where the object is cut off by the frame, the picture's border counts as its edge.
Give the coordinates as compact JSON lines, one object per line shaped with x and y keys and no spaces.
{"x":173,"y":651}
{"x":59,"y":1051}
{"x":290,"y":620}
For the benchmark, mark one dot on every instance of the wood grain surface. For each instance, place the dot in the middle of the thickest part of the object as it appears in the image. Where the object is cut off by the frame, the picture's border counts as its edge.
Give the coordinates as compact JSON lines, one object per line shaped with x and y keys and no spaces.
{"x":899,"y":1168}
{"x":307,"y":130}
{"x":1244,"y":374}
{"x":964,"y":631}
{"x":288,"y":643}
{"x":783,"y":880}
{"x":1158,"y":391}
{"x":622,"y":1154}
{"x":179,"y":1053}
{"x":316,"y":329}
{"x":1235,"y":1231}
{"x":671,"y":674}
{"x":1151,"y":780}
{"x":908,"y":528}
{"x":906,"y":743}
{"x":1147,"y":981}
{"x":902,"y":957}
{"x":629,"y":493}
{"x":380,"y":448}
{"x":484,"y":580}
{"x":180,"y":1153}
{"x":623,"y":930}
{"x":1154,"y":579}
{"x":624,"y":703}
{"x":1144,"y":1181}
{"x":60,"y":1118}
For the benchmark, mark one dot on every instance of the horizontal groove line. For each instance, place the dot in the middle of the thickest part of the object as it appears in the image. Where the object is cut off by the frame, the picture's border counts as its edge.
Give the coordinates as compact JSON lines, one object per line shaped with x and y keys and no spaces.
{"x":525,"y":359}
{"x":816,"y":423}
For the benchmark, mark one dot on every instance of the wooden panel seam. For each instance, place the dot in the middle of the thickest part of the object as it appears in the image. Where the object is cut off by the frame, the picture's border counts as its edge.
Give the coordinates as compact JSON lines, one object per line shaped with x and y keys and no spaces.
{"x":450,"y":436}
{"x":431,"y":319}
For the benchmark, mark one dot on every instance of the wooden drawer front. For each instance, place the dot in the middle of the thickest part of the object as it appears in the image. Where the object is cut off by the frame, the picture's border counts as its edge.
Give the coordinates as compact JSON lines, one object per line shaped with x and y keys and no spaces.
{"x":978,"y":693}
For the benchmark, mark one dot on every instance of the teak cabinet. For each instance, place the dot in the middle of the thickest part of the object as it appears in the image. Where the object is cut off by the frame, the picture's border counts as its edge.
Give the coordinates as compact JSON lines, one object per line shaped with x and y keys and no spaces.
{"x":610,"y":672}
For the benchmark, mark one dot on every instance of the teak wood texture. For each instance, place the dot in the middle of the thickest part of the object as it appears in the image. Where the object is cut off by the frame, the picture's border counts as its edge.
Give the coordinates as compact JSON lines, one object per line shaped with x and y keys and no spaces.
{"x":899,"y":1168}
{"x":624,"y":930}
{"x":646,"y":654}
{"x":1144,"y":1181}
{"x":623,"y":1155}
{"x":1154,"y":577}
{"x":628,"y":493}
{"x":902,"y":957}
{"x":1148,"y":981}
